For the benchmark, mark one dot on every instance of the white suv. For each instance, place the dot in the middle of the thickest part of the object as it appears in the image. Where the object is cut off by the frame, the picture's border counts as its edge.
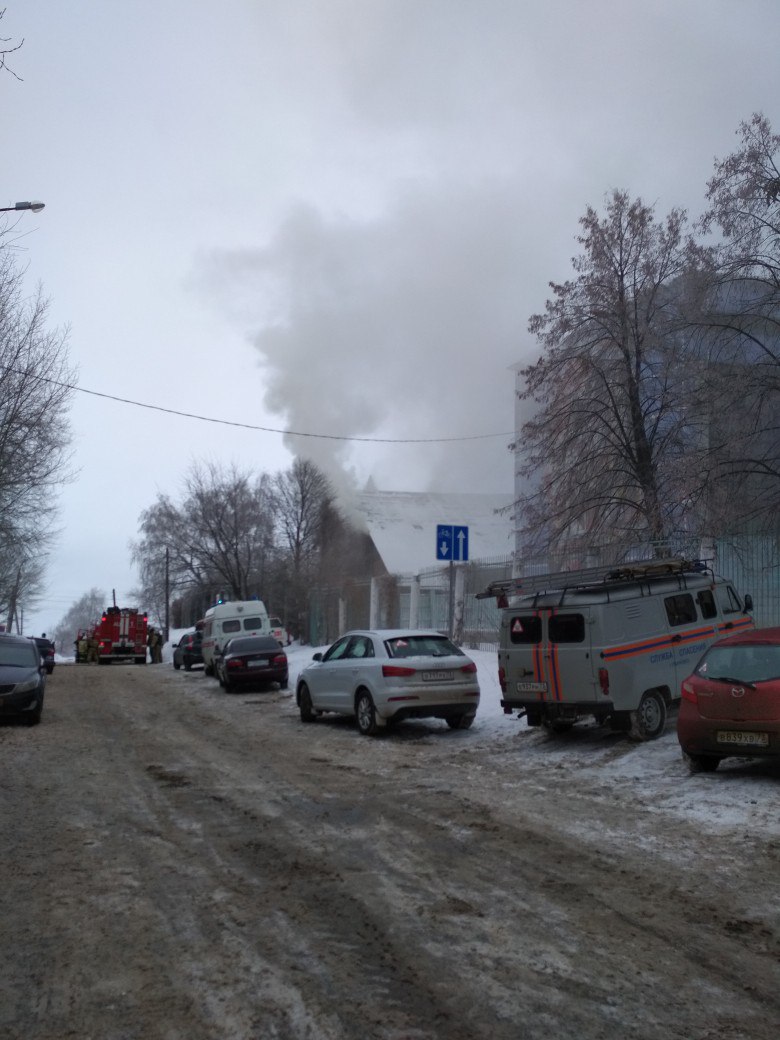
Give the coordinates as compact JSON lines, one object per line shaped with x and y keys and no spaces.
{"x":386,"y":675}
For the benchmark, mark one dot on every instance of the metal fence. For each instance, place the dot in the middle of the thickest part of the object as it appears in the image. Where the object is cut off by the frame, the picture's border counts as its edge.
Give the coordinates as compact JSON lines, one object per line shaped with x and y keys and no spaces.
{"x":444,"y":598}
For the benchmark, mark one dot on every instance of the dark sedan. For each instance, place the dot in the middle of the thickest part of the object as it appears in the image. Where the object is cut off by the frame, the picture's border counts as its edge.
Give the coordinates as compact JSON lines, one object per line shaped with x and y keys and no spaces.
{"x":22,"y":678}
{"x":46,"y":648}
{"x":188,"y":651}
{"x":251,"y":661}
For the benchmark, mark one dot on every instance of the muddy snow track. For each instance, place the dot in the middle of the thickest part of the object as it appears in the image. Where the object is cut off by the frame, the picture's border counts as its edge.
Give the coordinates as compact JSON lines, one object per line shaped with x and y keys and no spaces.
{"x":180,"y":863}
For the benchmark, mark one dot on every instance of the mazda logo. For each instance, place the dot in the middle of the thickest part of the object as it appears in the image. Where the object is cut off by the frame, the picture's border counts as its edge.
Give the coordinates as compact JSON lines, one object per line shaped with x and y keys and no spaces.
{"x":737,"y":691}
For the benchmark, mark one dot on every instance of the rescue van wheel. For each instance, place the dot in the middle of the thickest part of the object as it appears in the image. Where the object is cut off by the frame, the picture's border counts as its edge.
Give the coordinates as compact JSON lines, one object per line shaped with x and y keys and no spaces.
{"x":649,"y":720}
{"x":557,"y":725}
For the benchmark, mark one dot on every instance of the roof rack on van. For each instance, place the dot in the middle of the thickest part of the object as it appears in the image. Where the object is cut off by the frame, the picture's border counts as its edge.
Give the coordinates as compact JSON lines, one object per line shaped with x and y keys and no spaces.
{"x":562,"y":580}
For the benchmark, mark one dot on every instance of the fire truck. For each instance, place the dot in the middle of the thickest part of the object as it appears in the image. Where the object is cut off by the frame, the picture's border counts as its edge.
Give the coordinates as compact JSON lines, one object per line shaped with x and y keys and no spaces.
{"x":121,"y":635}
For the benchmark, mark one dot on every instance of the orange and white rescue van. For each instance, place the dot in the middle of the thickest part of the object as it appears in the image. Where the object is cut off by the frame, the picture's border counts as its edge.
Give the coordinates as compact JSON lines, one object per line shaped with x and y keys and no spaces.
{"x":121,"y":635}
{"x":614,"y":643}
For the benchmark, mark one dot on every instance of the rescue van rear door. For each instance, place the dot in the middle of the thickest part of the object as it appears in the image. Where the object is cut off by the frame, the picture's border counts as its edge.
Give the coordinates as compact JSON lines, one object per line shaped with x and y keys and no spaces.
{"x":554,"y":645}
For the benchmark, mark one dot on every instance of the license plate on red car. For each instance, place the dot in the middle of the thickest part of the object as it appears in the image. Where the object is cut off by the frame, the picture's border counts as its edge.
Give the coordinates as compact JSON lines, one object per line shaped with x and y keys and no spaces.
{"x":437,"y":676}
{"x":730,"y":736}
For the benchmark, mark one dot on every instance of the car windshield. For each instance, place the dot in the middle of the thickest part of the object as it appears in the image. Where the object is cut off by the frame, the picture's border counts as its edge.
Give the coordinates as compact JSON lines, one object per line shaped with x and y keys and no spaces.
{"x":741,"y":663}
{"x":422,"y":646}
{"x":15,"y":656}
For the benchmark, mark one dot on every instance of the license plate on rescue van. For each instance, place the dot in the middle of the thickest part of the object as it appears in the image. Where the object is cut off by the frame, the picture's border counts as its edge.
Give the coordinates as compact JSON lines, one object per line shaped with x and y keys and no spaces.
{"x":730,"y":736}
{"x":532,"y":687}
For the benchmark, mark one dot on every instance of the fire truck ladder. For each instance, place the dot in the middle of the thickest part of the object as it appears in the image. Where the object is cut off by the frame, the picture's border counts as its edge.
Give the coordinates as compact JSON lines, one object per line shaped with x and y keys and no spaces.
{"x":561,"y":581}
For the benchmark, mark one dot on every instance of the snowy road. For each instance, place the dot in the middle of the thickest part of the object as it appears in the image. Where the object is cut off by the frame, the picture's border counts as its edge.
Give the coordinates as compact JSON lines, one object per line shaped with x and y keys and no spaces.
{"x":180,"y":863}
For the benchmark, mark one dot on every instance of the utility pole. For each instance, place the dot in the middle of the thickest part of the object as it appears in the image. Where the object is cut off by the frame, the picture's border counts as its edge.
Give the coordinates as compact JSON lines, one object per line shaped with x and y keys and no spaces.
{"x":167,"y":593}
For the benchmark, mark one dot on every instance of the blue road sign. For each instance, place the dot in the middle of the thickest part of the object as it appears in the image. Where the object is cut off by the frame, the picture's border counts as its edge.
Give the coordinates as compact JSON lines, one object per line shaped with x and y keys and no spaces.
{"x":452,"y":543}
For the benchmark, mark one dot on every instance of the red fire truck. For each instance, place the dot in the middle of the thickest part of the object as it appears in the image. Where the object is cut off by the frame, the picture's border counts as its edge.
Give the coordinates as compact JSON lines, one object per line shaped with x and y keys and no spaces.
{"x":121,"y":635}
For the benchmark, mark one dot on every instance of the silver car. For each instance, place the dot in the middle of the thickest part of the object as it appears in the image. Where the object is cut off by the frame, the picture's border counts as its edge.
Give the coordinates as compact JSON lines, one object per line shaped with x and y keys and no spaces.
{"x":386,"y":675}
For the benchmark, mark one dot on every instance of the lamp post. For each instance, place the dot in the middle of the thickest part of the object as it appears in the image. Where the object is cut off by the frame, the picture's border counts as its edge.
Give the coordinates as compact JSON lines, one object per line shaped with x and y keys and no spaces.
{"x":36,"y":207}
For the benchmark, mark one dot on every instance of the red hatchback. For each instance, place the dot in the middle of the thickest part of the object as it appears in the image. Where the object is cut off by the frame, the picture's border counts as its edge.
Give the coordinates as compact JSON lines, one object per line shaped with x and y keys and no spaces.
{"x":731,"y":703}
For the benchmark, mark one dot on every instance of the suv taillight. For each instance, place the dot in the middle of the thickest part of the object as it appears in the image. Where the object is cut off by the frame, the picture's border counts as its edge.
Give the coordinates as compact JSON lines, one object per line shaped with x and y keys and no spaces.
{"x":396,"y":671}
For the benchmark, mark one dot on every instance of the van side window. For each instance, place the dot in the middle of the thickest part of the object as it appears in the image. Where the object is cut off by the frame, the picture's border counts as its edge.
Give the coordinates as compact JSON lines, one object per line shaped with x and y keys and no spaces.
{"x":233,"y":625}
{"x":525,"y":629}
{"x":566,"y":628}
{"x":251,"y":624}
{"x":706,"y":602}
{"x":681,"y":610}
{"x":728,"y":600}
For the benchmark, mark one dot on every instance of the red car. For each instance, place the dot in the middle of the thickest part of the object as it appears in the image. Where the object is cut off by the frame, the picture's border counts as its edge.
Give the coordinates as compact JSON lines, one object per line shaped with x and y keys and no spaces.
{"x":731,"y":704}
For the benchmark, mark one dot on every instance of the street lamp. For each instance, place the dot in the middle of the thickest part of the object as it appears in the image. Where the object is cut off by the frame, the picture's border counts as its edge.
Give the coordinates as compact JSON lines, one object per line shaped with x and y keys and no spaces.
{"x":36,"y":207}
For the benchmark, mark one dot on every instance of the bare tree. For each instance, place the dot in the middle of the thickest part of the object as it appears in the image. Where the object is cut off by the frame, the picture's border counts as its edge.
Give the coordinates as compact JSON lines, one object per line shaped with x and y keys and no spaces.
{"x":305,"y":514}
{"x":7,"y":46}
{"x":609,"y":451}
{"x":35,"y":392}
{"x":218,"y":539}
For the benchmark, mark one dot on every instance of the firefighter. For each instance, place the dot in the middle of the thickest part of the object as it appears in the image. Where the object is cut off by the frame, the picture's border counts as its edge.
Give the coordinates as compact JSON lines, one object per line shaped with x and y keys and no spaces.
{"x":154,"y":642}
{"x":92,"y":649}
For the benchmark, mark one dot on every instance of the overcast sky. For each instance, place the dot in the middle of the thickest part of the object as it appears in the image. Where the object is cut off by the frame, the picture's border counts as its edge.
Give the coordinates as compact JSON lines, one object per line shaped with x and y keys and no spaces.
{"x":334,"y":217}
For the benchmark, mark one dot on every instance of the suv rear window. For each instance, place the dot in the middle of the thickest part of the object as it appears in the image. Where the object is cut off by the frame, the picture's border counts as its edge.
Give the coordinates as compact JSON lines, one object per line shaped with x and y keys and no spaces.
{"x":422,"y":646}
{"x":526,"y":628}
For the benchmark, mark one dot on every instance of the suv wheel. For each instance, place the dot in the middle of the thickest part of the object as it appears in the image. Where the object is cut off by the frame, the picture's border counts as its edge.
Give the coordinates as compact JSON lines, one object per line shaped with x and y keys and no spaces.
{"x":366,"y":714}
{"x":305,"y":705}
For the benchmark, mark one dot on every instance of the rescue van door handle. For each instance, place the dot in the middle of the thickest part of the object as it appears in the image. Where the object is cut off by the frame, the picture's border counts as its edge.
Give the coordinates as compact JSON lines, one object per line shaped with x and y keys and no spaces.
{"x":729,"y":624}
{"x":677,"y":638}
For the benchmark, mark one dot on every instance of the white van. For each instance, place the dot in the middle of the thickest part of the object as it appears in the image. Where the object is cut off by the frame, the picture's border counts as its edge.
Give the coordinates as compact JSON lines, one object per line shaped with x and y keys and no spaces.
{"x":614,"y":643}
{"x":232,"y":618}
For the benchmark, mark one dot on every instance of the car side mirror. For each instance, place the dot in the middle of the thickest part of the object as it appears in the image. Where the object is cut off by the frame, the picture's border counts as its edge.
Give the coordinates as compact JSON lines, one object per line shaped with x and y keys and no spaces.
{"x":748,"y":602}
{"x":317,"y":657}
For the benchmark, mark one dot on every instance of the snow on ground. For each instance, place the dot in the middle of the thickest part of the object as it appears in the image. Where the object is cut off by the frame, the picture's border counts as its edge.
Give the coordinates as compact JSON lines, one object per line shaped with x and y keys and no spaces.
{"x":742,"y":793}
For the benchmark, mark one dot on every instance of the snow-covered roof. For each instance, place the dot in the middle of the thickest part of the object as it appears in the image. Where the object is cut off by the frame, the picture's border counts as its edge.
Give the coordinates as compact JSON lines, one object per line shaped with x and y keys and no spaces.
{"x":402,"y":525}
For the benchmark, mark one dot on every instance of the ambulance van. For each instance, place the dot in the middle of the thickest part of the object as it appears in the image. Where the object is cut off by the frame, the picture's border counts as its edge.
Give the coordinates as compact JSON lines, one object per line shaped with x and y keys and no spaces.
{"x":232,"y":618}
{"x":612,"y":643}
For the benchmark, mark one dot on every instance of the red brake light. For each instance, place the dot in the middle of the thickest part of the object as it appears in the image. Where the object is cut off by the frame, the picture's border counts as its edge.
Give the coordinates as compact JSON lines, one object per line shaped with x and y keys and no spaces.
{"x":234,"y":662}
{"x":395,"y":671}
{"x":502,"y":679}
{"x":688,"y":693}
{"x":280,"y":659}
{"x":604,"y":681}
{"x":470,"y":668}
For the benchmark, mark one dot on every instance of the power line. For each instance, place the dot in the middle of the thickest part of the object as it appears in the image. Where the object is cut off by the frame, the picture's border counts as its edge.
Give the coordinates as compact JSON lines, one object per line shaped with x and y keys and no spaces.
{"x":272,"y":429}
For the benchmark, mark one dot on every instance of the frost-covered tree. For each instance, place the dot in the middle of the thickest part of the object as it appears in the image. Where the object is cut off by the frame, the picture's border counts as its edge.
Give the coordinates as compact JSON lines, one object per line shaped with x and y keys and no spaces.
{"x":742,"y":325}
{"x":609,"y":450}
{"x":81,"y":615}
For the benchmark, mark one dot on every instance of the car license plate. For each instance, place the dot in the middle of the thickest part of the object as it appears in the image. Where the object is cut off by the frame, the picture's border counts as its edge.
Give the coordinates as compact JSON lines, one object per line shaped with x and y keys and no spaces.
{"x":532,"y":687}
{"x":438,"y":676}
{"x":256,"y":664}
{"x":729,"y":736}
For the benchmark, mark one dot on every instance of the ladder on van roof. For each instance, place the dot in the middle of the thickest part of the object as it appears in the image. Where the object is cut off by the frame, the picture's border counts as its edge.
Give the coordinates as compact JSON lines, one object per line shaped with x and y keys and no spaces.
{"x":561,"y":581}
